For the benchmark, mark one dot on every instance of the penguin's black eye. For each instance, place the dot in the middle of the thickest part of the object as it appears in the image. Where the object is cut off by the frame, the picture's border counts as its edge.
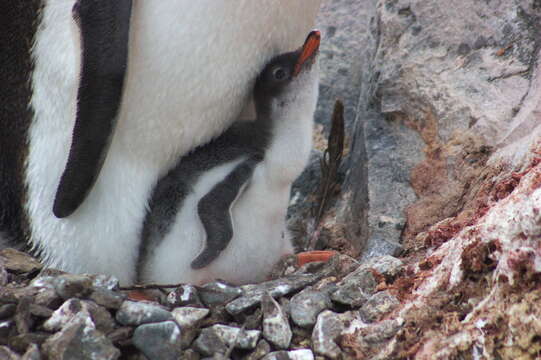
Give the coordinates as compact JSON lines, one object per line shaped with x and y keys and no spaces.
{"x":279,"y":73}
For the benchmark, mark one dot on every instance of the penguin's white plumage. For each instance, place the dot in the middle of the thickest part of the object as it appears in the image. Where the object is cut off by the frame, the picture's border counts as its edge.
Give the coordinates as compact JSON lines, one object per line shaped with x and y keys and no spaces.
{"x":190,"y":67}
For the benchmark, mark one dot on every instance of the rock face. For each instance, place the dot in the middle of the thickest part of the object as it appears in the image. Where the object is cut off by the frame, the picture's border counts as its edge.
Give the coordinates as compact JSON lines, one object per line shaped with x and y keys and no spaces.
{"x":442,"y":88}
{"x":430,"y":94}
{"x":445,"y":160}
{"x":444,"y":163}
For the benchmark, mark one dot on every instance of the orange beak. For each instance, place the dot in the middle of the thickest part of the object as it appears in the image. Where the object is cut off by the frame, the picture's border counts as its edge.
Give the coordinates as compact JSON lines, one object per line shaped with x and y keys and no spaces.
{"x":309,"y":49}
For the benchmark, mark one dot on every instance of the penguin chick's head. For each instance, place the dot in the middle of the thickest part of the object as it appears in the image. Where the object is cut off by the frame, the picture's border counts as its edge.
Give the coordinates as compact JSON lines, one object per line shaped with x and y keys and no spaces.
{"x":289,"y":78}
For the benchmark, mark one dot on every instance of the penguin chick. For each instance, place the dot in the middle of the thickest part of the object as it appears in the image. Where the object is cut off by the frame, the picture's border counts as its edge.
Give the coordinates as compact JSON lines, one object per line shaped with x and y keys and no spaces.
{"x":235,"y":190}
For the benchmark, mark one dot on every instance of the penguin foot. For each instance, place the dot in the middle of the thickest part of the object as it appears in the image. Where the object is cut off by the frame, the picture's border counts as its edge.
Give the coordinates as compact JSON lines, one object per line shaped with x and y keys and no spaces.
{"x":313,"y":256}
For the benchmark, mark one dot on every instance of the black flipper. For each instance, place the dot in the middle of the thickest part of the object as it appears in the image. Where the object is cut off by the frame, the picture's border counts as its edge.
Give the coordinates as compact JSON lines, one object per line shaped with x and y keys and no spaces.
{"x":214,"y":211}
{"x":104,"y":26}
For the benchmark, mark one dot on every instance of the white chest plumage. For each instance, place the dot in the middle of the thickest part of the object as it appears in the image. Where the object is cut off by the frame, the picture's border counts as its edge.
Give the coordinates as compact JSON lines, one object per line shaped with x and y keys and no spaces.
{"x":190,"y":67}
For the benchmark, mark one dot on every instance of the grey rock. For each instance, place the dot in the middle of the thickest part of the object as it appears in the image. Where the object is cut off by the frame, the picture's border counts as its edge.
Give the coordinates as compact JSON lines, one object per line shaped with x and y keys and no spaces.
{"x":22,"y":342}
{"x":120,"y":334}
{"x":449,"y":86}
{"x":107,"y":298}
{"x":190,"y":355}
{"x":188,"y":318}
{"x":330,"y":326}
{"x":254,"y":320}
{"x":40,"y":311}
{"x":218,"y":338}
{"x":326,"y":285}
{"x":363,"y":278}
{"x":18,"y":262}
{"x":262,"y":349}
{"x":346,"y":265}
{"x":301,"y":354}
{"x":306,"y":306}
{"x":15,"y":294}
{"x":137,"y":313}
{"x":7,"y":327}
{"x":106,"y":282}
{"x":245,"y":339}
{"x":285,"y":305}
{"x":275,"y":323}
{"x":158,"y":341}
{"x":387,"y":266}
{"x":378,"y":304}
{"x":275,"y":288}
{"x":7,"y":354}
{"x":376,"y":247}
{"x":209,"y":343}
{"x":391,"y":151}
{"x":4,"y":277}
{"x":32,"y":353}
{"x":184,"y":295}
{"x":7,"y":310}
{"x":79,"y":340}
{"x":23,"y":318}
{"x":69,"y":286}
{"x":218,"y":292}
{"x":355,"y":288}
{"x":381,"y":331}
{"x":70,"y":310}
{"x":75,"y":308}
{"x":340,"y":60}
{"x":102,"y":318}
{"x":48,"y":297}
{"x":377,"y":337}
{"x":43,"y":281}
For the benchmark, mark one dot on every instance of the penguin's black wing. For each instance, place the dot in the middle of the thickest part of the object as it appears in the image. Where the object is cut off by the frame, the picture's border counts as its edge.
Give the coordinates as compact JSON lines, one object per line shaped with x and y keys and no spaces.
{"x":214,"y":211}
{"x":104,"y":26}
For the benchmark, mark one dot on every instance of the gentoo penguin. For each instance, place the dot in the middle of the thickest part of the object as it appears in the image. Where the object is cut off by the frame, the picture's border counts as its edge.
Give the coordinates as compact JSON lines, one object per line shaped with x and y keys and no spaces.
{"x":172,"y":74}
{"x":228,"y":212}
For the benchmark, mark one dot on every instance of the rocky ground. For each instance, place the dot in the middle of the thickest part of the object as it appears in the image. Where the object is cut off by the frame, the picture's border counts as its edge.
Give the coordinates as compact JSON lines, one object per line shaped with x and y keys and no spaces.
{"x":305,"y":313}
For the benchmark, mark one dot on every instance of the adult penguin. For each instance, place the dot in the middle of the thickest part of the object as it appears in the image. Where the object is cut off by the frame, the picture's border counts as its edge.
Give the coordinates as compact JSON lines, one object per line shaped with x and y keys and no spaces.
{"x":100,"y":98}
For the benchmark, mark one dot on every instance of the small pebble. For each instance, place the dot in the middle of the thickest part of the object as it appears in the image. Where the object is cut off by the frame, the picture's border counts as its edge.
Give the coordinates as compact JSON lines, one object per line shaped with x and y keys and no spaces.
{"x":218,"y":338}
{"x":275,"y":323}
{"x":218,"y":292}
{"x":301,"y":354}
{"x":184,"y":295}
{"x":306,"y":306}
{"x":379,"y":304}
{"x":158,"y":340}
{"x":137,"y":313}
